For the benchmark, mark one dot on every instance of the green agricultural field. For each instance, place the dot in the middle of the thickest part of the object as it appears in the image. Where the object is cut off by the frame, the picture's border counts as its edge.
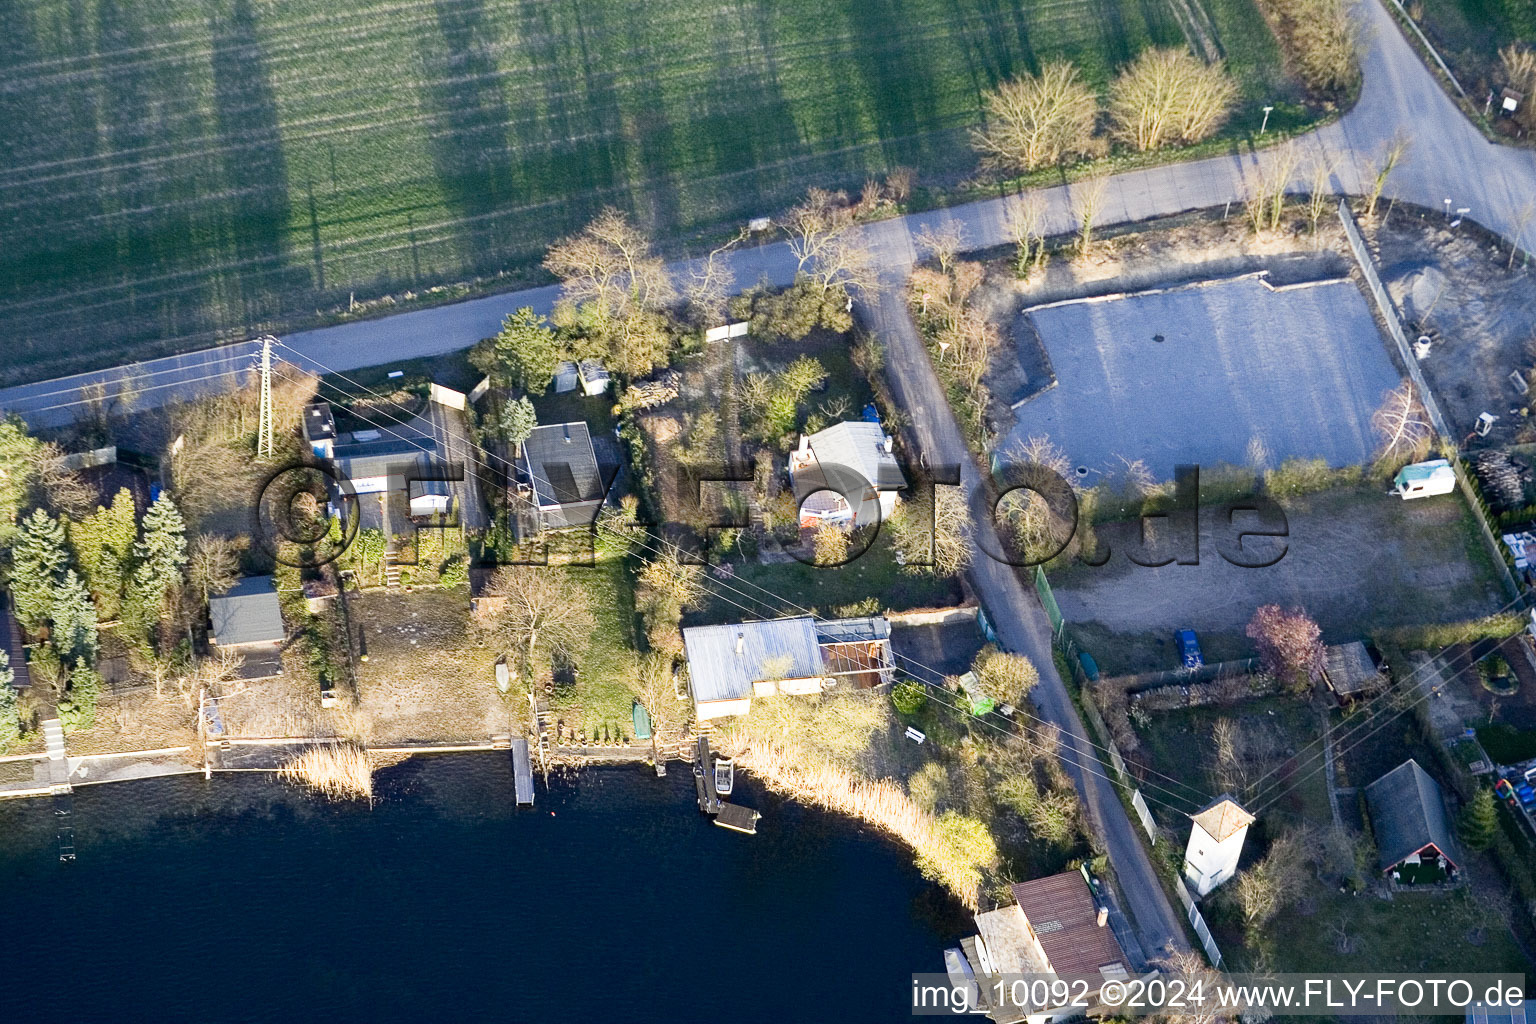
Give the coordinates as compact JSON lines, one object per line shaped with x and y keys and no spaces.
{"x":182,"y":171}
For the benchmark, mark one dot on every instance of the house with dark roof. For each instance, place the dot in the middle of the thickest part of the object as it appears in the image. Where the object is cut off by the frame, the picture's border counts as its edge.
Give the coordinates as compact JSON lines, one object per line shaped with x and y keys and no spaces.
{"x":557,"y":477}
{"x":1414,"y":839}
{"x":846,"y":474}
{"x":248,"y":621}
{"x":412,"y":463}
{"x":1055,"y":925}
{"x":11,"y":644}
{"x":729,"y":665}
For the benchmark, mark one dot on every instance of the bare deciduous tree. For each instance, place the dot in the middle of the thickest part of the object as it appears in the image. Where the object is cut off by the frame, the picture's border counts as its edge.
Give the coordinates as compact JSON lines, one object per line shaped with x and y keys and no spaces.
{"x":942,"y":243}
{"x":938,"y":533}
{"x":546,"y":613}
{"x":1318,"y":193}
{"x":1381,"y":169}
{"x":609,"y":264}
{"x":1035,"y":526}
{"x":1038,"y":120}
{"x":1025,"y":218}
{"x":709,"y":283}
{"x":827,"y":245}
{"x":1325,"y":42}
{"x":1169,"y":95}
{"x":1272,"y":884}
{"x":213,"y":564}
{"x":1403,"y":430}
{"x":1087,"y":201}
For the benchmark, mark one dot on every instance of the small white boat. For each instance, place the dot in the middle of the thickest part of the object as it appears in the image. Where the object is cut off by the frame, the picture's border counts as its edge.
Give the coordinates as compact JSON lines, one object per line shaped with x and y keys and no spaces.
{"x":725,"y":775}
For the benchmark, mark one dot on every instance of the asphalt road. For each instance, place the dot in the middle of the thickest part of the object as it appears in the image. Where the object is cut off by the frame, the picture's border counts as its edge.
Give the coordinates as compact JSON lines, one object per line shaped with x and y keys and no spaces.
{"x":1449,"y":159}
{"x":1021,"y":623}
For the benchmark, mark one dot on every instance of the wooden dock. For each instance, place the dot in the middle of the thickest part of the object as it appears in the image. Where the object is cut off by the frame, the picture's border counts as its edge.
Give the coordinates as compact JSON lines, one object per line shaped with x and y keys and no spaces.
{"x":522,"y":772}
{"x":737,"y":817}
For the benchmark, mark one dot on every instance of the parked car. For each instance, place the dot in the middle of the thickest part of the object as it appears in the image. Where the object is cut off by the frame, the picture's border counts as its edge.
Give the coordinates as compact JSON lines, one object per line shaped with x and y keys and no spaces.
{"x":1189,"y":648}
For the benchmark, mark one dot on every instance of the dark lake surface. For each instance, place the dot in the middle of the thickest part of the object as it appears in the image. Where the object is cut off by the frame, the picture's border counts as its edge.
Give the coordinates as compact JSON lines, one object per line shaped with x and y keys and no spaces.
{"x":244,"y":899}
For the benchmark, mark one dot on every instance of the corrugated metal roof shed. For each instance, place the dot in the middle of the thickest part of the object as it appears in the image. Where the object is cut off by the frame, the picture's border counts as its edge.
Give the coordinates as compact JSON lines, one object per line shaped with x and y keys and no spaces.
{"x":724,"y":661}
{"x":1064,"y":916}
{"x":860,"y":446}
{"x":247,"y":614}
{"x":1407,"y":814}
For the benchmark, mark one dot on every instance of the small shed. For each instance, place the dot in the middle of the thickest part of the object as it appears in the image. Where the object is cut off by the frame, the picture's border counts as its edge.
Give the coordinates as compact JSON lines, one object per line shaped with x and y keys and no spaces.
{"x":594,"y":377}
{"x":1423,"y":479}
{"x":566,"y":376}
{"x":320,"y":429}
{"x":248,"y":621}
{"x":1351,"y":672}
{"x":1414,"y":841}
{"x":427,"y":489}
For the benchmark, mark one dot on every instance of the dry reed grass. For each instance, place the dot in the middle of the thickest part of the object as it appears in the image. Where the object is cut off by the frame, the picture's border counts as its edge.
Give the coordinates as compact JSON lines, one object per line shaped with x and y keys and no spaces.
{"x":824,"y":753}
{"x":335,"y":771}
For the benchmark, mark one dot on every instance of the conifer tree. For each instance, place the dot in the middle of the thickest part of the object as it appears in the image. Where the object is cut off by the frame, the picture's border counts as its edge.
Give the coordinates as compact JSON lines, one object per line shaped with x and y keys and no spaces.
{"x":38,"y":558}
{"x":1480,"y":820}
{"x":74,"y":622}
{"x":161,"y":552}
{"x":103,"y":544}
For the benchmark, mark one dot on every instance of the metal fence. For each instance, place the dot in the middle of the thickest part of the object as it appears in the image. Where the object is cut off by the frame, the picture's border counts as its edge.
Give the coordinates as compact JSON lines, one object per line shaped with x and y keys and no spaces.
{"x":1048,"y":599}
{"x":1197,"y":921}
{"x":1145,"y":814}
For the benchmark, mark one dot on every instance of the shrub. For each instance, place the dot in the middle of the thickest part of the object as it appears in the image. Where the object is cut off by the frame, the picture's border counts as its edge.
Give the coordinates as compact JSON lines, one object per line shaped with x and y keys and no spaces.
{"x":909,"y":697}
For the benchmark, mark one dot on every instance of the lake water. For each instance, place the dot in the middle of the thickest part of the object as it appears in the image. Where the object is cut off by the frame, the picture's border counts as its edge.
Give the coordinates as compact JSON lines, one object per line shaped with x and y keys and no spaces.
{"x":244,"y":899}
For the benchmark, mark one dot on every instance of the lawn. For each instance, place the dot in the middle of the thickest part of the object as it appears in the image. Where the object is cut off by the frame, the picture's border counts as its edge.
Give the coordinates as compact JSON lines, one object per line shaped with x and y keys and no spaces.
{"x":763,"y":591}
{"x":1469,"y":33}
{"x":178,"y":173}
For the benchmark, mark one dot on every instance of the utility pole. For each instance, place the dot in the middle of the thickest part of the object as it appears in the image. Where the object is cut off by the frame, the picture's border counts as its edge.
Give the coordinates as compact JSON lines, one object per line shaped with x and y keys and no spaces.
{"x":264,"y":430}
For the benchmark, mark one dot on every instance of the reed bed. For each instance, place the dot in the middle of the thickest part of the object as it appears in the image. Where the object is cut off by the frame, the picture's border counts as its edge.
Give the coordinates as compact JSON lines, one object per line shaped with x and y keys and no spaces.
{"x":335,"y":771}
{"x":820,"y":765}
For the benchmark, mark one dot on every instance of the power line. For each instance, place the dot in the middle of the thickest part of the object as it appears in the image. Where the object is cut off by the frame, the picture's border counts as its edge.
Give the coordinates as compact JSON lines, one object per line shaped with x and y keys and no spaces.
{"x":1170,"y":795}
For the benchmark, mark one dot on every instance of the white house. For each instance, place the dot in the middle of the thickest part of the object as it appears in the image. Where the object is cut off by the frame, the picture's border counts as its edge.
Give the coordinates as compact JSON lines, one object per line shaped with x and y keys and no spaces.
{"x":846,"y":474}
{"x":1215,"y":844}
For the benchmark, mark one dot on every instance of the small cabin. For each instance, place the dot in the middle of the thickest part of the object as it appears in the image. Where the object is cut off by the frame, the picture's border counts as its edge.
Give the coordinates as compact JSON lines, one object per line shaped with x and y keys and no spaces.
{"x":1423,"y":479}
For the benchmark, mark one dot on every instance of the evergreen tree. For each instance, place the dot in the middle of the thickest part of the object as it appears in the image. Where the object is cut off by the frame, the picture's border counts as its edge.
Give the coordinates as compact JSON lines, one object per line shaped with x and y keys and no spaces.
{"x":1480,"y":820}
{"x":161,"y":553}
{"x":74,"y":622}
{"x":103,"y":544}
{"x":10,"y":714}
{"x":77,"y":708}
{"x":38,"y":559}
{"x":18,"y":474}
{"x":517,"y":422}
{"x":527,"y":351}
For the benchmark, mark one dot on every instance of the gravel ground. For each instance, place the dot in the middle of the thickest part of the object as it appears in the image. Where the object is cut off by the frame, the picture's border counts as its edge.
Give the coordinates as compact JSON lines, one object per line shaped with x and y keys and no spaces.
{"x":1355,"y":559}
{"x":1300,"y":369}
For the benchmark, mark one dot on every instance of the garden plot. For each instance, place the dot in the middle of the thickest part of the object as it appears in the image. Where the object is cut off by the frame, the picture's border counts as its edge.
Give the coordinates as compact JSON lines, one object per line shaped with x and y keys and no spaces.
{"x":1207,"y":373}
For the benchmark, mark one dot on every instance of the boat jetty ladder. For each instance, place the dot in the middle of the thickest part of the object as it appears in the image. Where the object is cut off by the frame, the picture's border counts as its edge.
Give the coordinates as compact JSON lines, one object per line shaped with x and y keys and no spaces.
{"x":522,"y":772}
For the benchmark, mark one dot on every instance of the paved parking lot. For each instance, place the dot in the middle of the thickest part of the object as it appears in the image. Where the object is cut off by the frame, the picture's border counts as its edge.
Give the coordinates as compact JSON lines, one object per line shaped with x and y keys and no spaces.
{"x":1193,"y":374}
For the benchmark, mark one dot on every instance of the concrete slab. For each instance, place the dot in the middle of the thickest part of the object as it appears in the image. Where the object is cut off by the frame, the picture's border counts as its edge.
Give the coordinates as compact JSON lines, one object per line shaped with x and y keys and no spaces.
{"x":1301,"y":369}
